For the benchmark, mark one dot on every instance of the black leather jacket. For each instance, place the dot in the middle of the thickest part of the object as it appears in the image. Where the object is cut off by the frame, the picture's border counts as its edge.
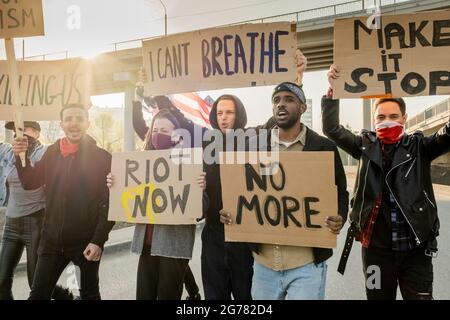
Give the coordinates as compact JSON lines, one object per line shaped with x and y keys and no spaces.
{"x":408,"y":179}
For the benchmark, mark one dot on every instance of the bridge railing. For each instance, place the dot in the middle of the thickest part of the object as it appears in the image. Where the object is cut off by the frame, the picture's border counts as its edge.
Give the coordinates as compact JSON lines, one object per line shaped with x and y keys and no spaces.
{"x":327,"y":11}
{"x":297,"y":16}
{"x":437,"y":109}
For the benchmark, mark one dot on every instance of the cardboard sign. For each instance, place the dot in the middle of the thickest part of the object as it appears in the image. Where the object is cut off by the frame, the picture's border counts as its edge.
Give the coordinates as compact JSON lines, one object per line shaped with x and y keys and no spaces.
{"x":285,"y":208}
{"x":156,"y":187}
{"x":45,"y":86}
{"x":21,"y":18}
{"x":228,"y":57}
{"x":408,"y":55}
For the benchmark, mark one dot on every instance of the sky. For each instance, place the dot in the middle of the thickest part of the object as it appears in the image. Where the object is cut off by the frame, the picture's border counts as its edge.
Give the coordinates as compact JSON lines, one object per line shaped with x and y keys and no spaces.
{"x":103,"y":22}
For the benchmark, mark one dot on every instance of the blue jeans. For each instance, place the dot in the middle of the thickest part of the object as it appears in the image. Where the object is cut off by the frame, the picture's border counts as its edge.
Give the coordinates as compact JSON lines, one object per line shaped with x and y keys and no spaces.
{"x":302,"y":283}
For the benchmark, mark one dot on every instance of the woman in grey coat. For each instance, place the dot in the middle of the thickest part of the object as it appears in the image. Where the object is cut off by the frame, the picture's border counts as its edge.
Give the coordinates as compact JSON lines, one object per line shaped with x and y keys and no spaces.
{"x":165,"y":250}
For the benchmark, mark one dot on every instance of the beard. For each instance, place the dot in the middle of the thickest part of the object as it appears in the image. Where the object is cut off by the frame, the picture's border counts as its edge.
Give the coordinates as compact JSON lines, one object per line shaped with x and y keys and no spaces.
{"x":288,"y":123}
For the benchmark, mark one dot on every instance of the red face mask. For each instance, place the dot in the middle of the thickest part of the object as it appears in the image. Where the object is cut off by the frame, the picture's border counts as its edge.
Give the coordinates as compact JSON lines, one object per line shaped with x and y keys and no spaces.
{"x":390,"y":132}
{"x":161,"y":141}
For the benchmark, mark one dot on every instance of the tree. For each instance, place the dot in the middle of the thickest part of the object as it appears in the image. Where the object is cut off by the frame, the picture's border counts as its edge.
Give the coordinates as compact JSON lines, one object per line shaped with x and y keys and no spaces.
{"x":107,"y":131}
{"x":104,"y":122}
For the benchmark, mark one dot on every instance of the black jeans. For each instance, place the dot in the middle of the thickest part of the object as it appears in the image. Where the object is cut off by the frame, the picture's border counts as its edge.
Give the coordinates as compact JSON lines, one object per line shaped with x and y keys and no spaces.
{"x":190,"y":284}
{"x":227,"y":268}
{"x":51,"y":265}
{"x":412,"y":271}
{"x":160,"y":278}
{"x":20,"y":233}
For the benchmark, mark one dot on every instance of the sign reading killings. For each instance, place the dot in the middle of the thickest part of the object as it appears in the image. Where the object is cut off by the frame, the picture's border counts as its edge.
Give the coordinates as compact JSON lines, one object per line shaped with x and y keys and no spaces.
{"x":156,"y":187}
{"x":285,"y":208}
{"x":21,"y":18}
{"x":45,"y":86}
{"x":393,"y":55}
{"x":229,"y":57}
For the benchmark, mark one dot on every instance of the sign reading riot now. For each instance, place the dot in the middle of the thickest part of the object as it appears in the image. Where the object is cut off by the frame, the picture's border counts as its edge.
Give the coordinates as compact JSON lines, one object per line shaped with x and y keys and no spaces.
{"x":228,"y":57}
{"x":287,"y":207}
{"x":45,"y":87}
{"x":393,"y":55}
{"x":156,"y":187}
{"x":21,"y":18}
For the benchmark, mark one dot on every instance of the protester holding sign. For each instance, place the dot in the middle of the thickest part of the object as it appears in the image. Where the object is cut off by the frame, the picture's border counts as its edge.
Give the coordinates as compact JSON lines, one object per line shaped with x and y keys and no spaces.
{"x":227,"y":267}
{"x":75,"y":229}
{"x":165,"y":250}
{"x":25,"y":210}
{"x":143,"y":132}
{"x":300,"y":270}
{"x":394,"y":213}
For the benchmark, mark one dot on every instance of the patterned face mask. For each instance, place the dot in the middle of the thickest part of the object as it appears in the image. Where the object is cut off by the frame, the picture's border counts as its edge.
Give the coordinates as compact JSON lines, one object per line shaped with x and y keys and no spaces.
{"x":390,"y":132}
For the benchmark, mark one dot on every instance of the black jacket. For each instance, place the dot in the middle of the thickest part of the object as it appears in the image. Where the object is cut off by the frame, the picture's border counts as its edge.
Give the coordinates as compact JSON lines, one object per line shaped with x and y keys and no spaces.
{"x":408,"y":179}
{"x":77,"y":198}
{"x":315,"y":142}
{"x":213,"y":183}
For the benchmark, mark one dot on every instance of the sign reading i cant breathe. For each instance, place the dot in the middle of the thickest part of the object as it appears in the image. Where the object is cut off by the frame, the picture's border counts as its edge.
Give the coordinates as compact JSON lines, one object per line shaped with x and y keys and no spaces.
{"x":228,"y":57}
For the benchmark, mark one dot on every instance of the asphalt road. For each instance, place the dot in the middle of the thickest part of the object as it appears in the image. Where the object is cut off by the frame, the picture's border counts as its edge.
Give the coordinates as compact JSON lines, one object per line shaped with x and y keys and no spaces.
{"x":118,"y":271}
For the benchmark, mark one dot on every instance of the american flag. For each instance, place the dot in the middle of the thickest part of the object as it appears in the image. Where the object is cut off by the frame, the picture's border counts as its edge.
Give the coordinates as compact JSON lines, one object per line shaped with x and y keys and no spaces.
{"x":193,"y":107}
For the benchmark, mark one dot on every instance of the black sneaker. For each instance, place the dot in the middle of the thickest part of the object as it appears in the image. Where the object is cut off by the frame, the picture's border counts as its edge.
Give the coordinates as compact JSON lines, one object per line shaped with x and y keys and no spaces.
{"x":60,"y":293}
{"x":196,"y":297}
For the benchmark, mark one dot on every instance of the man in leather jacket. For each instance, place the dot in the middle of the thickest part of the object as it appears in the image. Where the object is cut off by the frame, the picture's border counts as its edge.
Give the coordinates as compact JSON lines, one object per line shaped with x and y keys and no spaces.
{"x":394,"y":212}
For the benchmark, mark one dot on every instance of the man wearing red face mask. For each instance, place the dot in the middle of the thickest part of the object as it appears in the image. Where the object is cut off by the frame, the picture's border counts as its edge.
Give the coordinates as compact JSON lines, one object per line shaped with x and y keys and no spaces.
{"x":394,"y":213}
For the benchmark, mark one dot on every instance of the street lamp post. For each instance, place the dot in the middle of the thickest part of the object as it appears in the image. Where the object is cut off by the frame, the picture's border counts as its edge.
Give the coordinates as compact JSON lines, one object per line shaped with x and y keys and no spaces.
{"x":165,"y":17}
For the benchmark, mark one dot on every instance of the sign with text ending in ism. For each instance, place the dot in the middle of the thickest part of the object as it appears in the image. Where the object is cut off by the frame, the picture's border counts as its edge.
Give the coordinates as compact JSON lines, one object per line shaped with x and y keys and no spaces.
{"x":21,"y":18}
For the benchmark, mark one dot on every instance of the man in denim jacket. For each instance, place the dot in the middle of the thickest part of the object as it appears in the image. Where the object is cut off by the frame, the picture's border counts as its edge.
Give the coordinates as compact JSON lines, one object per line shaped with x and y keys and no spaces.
{"x":24,"y":214}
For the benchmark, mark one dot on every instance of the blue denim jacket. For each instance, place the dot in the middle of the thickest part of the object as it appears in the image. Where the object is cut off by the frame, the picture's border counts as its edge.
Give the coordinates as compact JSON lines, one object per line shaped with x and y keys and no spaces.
{"x":8,"y":164}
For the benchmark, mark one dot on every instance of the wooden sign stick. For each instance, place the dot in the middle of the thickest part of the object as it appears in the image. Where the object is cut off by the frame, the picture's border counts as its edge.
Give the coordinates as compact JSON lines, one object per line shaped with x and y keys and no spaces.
{"x":15,"y":91}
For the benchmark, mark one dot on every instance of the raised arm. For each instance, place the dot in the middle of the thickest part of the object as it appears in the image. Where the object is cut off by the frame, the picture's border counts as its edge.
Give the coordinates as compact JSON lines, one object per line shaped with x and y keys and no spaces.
{"x":331,"y":127}
{"x":139,"y":125}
